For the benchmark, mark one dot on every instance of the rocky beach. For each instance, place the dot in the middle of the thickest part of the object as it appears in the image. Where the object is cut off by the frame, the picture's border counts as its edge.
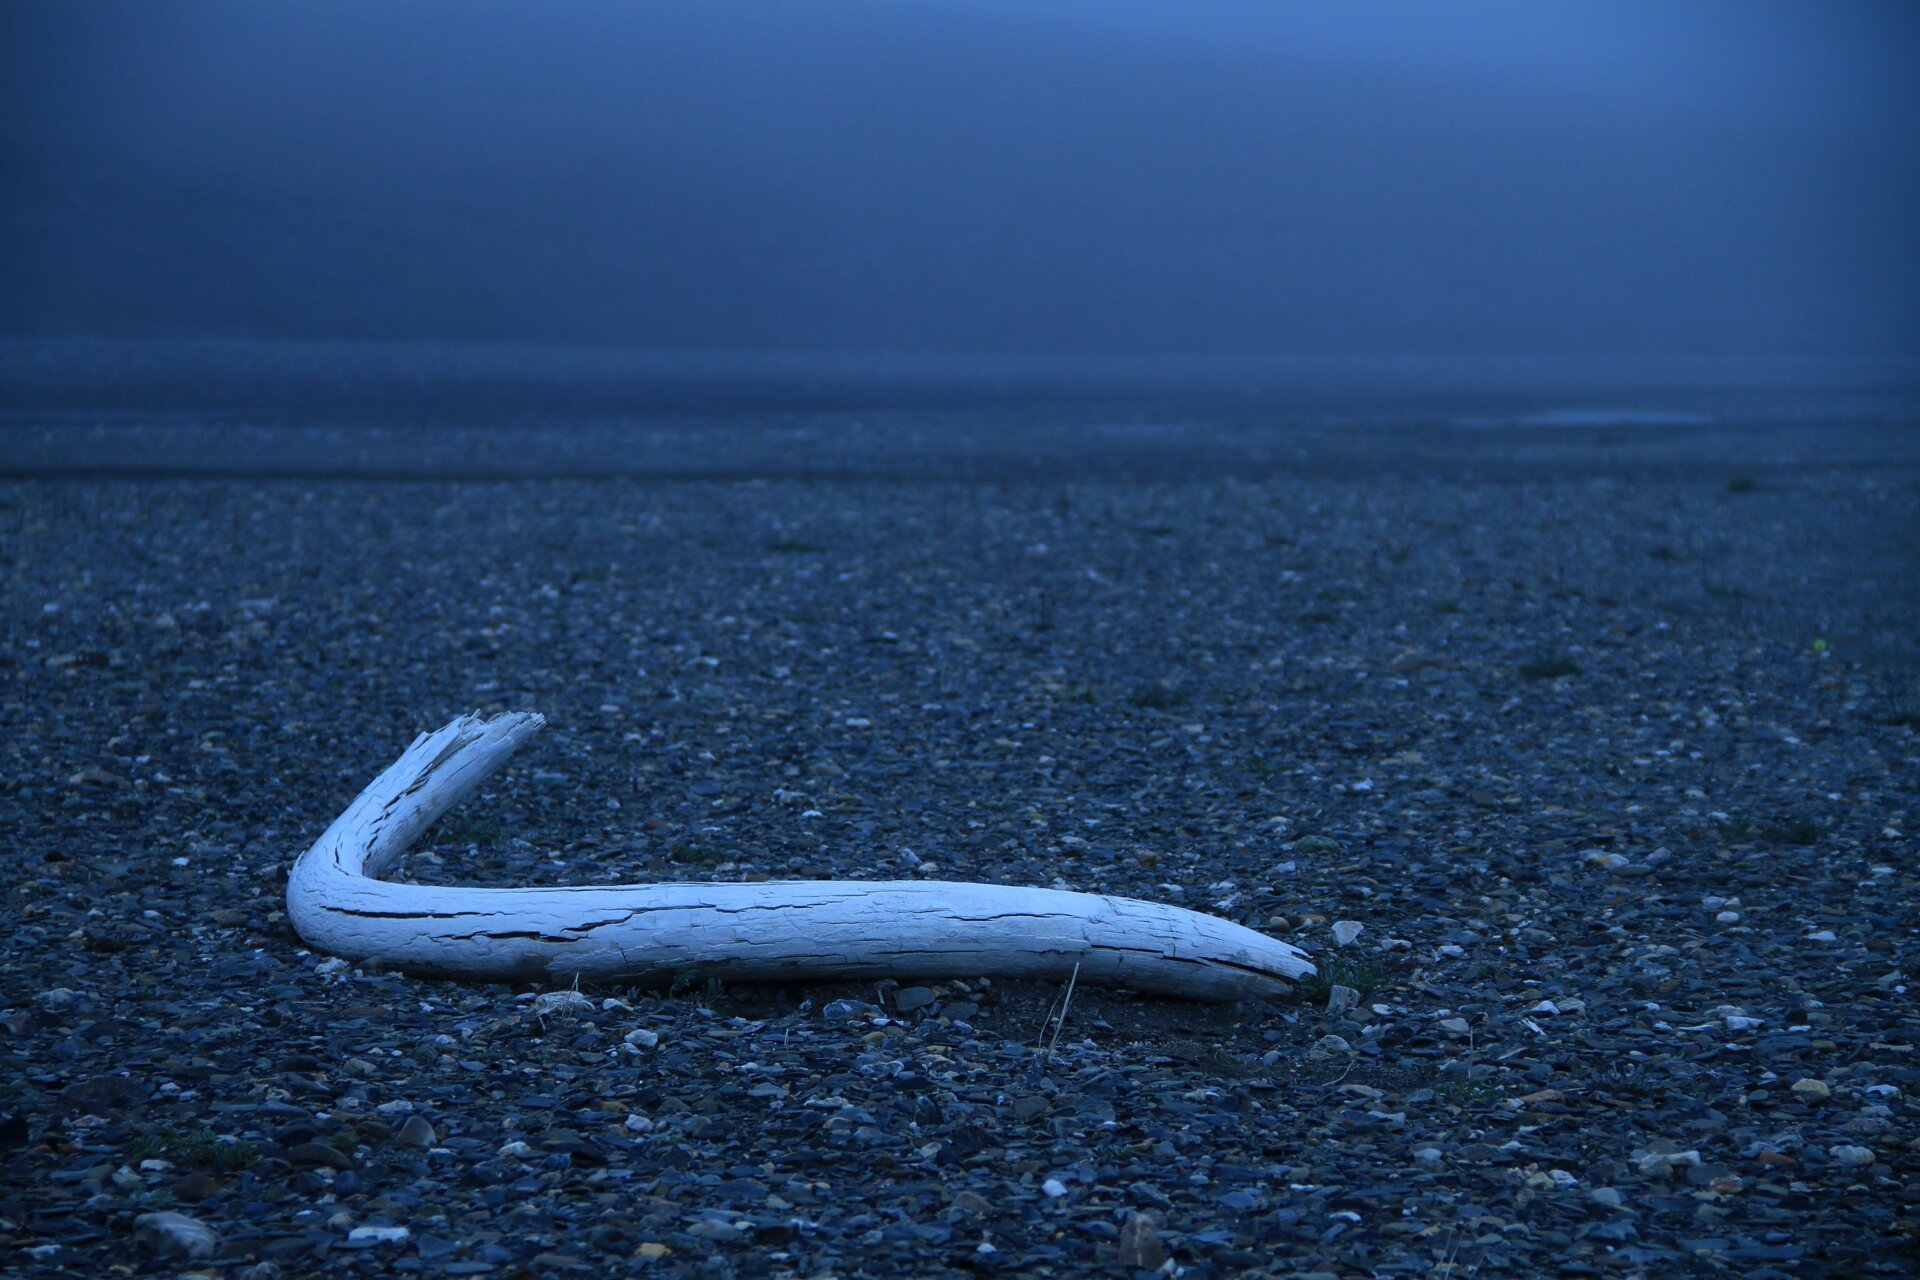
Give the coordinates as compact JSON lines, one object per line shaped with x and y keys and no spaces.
{"x":1582,"y":756}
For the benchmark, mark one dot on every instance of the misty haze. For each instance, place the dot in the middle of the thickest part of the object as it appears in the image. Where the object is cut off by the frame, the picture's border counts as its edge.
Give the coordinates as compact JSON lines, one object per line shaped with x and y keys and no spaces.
{"x":940,"y":638}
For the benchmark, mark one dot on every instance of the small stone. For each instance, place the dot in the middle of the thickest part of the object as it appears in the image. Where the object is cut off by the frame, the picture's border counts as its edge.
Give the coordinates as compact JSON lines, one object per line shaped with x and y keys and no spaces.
{"x":1452,"y":950}
{"x":1812,"y":1090}
{"x":551,"y":1003}
{"x":1031,"y":1107}
{"x":515,"y":1150}
{"x":58,"y":998}
{"x":1659,"y":1162}
{"x":320,"y":1153}
{"x":848,"y":1010}
{"x":103,"y":1094}
{"x":1330,"y":1047}
{"x":638,"y":1124}
{"x":175,"y":1235}
{"x":1727,"y":917}
{"x":1339,"y":997}
{"x":1607,"y":1196}
{"x":651,"y":1251}
{"x":1455,"y":1026}
{"x":1741,"y":1022}
{"x":1605,"y":859}
{"x":194,"y":1188}
{"x":416,"y":1132}
{"x":1053,"y":1188}
{"x":1428,"y":1155}
{"x":1139,"y":1246}
{"x":972,"y":1202}
{"x":1851,"y":1157}
{"x":641,"y":1038}
{"x":1316,"y":844}
{"x":1822,"y":935}
{"x":377,"y":1235}
{"x":97,"y":778}
{"x":1345,"y":931}
{"x":908,"y":999}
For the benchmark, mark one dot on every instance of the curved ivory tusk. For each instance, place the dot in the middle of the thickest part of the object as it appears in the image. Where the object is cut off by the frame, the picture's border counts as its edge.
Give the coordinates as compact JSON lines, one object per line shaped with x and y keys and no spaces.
{"x":771,"y":931}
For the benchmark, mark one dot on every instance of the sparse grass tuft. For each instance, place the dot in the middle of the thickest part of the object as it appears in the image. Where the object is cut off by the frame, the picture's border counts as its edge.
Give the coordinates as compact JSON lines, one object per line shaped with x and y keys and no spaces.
{"x":1552,"y":667}
{"x":1363,"y":975}
{"x":1459,"y":1090}
{"x":1790,"y":830}
{"x":202,"y":1148}
{"x":1160,"y":697}
{"x":692,"y":853}
{"x":1796,"y":830}
{"x":466,"y":831}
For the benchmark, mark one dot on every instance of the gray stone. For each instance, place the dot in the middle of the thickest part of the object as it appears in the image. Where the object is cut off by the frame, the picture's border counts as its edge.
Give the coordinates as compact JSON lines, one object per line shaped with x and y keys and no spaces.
{"x":175,"y":1235}
{"x":1139,"y":1246}
{"x":1330,"y":1047}
{"x":416,"y":1132}
{"x":320,"y":1153}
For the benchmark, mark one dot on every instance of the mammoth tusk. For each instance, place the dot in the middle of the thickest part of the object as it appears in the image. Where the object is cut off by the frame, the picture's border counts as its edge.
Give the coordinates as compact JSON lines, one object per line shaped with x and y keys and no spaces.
{"x":774,"y":931}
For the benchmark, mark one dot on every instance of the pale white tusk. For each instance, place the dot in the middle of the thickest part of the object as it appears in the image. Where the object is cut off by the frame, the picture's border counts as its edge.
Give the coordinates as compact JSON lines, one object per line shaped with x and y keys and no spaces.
{"x":774,"y":931}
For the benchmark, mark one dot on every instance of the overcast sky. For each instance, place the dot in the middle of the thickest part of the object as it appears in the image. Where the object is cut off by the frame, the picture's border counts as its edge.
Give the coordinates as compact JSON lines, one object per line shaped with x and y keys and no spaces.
{"x":1002,"y":177}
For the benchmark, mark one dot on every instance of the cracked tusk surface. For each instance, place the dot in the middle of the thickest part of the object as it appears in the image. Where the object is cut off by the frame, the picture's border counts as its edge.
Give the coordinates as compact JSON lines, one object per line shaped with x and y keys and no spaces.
{"x":776,"y":931}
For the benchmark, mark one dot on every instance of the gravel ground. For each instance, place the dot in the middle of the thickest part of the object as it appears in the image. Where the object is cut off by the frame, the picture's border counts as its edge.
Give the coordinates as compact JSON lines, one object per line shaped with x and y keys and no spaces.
{"x":1614,"y":759}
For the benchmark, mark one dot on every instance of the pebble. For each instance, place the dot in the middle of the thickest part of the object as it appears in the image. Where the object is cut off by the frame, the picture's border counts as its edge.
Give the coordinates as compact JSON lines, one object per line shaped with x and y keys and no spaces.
{"x":1811,"y":1089}
{"x":1339,"y":997}
{"x":1139,"y":1244}
{"x":1851,"y":1157}
{"x":416,"y":1132}
{"x":550,"y":1004}
{"x":175,"y":1235}
{"x":641,"y":1038}
{"x":1345,"y":931}
{"x":378,"y":1235}
{"x":849,"y":1010}
{"x":323,"y":1154}
{"x":1330,"y":1046}
{"x":1660,"y":1162}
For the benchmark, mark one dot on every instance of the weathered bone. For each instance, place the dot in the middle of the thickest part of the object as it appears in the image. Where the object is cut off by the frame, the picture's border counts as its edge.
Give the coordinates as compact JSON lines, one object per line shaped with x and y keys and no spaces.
{"x":771,"y":931}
